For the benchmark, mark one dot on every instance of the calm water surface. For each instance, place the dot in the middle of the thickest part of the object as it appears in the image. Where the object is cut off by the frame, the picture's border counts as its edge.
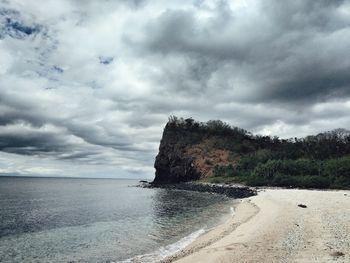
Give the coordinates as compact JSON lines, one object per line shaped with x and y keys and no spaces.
{"x":99,"y":220}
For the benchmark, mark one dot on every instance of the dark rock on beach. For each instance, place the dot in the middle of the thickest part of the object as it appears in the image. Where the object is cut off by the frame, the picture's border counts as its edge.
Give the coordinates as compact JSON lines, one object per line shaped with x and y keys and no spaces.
{"x":302,"y":206}
{"x":234,"y":191}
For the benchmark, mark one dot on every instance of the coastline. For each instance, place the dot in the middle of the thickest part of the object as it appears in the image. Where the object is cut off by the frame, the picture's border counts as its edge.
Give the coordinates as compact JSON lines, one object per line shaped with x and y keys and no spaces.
{"x":271,"y":227}
{"x":244,"y":211}
{"x":170,"y":252}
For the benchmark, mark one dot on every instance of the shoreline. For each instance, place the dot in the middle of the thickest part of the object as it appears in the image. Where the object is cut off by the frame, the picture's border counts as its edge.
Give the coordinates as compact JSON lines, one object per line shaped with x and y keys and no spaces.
{"x":271,"y":227}
{"x":243,"y":211}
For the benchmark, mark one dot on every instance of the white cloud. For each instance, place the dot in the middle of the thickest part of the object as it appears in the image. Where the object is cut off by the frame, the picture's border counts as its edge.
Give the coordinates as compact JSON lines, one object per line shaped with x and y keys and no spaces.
{"x":100,"y":78}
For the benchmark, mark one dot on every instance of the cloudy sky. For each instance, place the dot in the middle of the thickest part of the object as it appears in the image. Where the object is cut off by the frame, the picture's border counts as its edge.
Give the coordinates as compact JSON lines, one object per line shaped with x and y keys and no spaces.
{"x":87,"y":86}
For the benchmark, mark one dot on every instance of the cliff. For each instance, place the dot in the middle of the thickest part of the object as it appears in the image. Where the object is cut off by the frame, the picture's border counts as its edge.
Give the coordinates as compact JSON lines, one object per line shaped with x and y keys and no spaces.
{"x":188,"y":150}
{"x":216,"y":152}
{"x":172,"y":164}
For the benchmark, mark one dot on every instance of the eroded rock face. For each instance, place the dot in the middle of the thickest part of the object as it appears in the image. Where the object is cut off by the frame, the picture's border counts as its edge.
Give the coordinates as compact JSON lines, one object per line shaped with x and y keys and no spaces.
{"x":171,"y":164}
{"x":174,"y":169}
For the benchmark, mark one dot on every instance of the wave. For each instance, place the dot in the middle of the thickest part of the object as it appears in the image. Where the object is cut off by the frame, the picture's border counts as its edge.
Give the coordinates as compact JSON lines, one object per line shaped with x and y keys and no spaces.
{"x":166,"y":251}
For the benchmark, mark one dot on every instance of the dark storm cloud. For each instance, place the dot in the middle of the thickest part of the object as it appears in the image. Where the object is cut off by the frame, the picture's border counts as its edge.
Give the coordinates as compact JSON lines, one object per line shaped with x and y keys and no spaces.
{"x":14,"y":116}
{"x":179,"y":32}
{"x":94,"y":82}
{"x":100,"y":136}
{"x":95,"y":135}
{"x":315,"y":84}
{"x":292,"y":51}
{"x":300,"y":15}
{"x":81,"y":155}
{"x":32,"y":143}
{"x":26,"y":122}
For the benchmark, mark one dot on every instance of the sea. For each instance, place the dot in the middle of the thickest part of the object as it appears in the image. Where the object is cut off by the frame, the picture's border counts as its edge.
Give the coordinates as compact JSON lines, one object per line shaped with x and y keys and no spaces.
{"x":100,"y":220}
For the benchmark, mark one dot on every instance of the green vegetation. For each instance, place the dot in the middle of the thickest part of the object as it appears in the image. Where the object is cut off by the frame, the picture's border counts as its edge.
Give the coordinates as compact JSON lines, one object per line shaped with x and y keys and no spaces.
{"x":303,"y":173}
{"x":321,"y":161}
{"x":208,"y":162}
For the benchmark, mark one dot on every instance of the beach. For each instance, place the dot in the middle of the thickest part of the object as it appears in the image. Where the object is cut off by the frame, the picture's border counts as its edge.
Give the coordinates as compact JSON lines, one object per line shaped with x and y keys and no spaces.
{"x":273,"y":227}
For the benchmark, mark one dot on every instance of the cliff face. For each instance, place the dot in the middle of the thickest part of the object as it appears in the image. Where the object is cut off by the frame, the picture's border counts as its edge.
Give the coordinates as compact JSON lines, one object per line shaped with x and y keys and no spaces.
{"x":218,"y":152}
{"x":188,"y":152}
{"x":172,"y":164}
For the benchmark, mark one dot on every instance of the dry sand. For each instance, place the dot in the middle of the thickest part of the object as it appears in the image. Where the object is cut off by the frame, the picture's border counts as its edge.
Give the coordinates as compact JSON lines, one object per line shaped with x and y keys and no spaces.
{"x":271,"y":227}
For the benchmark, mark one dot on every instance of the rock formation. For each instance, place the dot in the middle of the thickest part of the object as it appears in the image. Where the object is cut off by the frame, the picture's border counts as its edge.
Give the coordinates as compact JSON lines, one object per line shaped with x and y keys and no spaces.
{"x":172,"y":166}
{"x":219,"y":153}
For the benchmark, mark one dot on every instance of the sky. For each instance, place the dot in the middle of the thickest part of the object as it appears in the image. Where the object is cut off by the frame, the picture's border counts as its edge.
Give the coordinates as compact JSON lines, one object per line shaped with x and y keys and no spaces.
{"x":86,"y":87}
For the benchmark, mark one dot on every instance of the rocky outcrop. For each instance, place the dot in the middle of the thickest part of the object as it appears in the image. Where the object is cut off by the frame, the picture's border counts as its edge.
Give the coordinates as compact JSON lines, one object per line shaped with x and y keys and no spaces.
{"x":191,"y":150}
{"x":230,"y":190}
{"x":181,"y":161}
{"x":171,"y":164}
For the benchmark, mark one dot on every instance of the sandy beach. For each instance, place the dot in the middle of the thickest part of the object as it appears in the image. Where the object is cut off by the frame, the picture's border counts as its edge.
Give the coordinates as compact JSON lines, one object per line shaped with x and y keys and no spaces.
{"x":271,"y":227}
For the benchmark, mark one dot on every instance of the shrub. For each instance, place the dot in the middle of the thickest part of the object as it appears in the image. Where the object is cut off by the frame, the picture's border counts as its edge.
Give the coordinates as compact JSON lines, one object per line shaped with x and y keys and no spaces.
{"x":208,"y":162}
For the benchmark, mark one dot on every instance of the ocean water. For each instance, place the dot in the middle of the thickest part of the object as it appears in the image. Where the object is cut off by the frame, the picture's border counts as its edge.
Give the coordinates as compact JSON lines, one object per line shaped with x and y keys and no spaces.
{"x":100,"y":220}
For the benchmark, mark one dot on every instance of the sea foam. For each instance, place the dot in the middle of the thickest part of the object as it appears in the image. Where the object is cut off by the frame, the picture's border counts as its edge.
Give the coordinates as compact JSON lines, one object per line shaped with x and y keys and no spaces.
{"x":166,"y":251}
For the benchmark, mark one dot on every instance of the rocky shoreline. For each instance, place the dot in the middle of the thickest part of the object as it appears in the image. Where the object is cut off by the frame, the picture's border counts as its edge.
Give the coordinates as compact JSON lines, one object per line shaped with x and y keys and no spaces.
{"x":230,"y":190}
